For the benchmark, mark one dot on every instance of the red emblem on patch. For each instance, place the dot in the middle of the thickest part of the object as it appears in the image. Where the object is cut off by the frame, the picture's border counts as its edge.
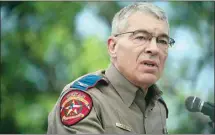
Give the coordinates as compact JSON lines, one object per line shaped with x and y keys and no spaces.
{"x":74,"y":106}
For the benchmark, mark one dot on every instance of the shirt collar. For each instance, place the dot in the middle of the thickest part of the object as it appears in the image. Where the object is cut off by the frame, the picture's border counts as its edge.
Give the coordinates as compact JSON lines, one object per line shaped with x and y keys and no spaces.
{"x":125,"y":88}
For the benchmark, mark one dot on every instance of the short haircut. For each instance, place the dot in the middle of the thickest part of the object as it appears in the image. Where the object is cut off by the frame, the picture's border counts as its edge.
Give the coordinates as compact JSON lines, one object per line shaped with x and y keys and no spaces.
{"x":120,"y":20}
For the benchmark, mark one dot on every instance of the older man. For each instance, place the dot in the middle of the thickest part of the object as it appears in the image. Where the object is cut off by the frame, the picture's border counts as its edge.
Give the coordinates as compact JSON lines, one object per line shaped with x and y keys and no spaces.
{"x":123,"y":98}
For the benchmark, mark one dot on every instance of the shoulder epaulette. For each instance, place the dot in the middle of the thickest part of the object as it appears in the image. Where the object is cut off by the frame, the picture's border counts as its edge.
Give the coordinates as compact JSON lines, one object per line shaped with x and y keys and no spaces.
{"x":86,"y":82}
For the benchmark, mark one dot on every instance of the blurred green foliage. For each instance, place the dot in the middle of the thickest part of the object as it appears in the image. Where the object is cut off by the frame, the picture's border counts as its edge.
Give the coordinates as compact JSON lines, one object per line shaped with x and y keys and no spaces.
{"x":41,"y":52}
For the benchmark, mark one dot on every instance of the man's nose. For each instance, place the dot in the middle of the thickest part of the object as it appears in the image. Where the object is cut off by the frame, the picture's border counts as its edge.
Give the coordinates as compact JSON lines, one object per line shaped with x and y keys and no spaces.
{"x":152,"y":47}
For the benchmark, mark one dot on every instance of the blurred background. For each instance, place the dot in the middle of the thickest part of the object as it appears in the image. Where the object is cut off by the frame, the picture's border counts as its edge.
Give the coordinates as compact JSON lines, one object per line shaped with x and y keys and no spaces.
{"x":45,"y":45}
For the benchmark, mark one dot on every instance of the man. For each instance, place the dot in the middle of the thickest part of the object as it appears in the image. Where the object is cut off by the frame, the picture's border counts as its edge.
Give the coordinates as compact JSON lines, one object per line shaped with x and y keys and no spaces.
{"x":123,"y":98}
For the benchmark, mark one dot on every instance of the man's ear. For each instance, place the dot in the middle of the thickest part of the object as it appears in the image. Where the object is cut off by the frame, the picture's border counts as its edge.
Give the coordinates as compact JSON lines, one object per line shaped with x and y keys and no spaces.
{"x":112,"y":46}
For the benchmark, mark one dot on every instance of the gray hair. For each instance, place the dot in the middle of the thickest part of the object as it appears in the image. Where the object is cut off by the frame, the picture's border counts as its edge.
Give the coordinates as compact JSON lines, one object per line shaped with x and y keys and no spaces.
{"x":120,"y":20}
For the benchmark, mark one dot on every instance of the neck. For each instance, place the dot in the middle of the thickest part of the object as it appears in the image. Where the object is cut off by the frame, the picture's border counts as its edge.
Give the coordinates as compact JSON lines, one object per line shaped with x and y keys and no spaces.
{"x":143,"y":87}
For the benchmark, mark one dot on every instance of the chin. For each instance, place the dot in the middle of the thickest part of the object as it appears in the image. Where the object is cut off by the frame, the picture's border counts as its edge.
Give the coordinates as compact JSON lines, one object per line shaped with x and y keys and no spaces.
{"x":147,"y":78}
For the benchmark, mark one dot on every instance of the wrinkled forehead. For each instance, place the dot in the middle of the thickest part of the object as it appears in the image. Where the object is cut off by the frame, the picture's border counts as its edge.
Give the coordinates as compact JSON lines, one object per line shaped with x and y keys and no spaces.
{"x":148,"y":22}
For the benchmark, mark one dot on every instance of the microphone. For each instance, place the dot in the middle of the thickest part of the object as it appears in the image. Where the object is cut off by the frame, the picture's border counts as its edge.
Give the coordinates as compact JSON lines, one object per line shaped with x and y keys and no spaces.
{"x":195,"y":104}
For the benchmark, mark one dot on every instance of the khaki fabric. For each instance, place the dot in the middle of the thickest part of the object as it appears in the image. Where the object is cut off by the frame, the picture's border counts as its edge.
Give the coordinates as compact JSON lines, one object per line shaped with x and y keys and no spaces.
{"x":118,"y":107}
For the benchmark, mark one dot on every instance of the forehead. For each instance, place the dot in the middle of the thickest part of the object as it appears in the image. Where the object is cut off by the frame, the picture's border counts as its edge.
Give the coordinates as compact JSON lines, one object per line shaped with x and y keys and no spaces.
{"x":147,"y":22}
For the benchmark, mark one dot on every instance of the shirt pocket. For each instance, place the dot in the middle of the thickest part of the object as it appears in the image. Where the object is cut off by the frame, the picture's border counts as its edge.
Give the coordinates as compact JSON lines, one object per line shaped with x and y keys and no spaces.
{"x":116,"y":124}
{"x":160,"y":130}
{"x":116,"y":130}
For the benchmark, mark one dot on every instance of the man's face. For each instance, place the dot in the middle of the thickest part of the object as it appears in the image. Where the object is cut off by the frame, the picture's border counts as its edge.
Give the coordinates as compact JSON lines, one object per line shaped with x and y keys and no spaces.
{"x":133,"y":60}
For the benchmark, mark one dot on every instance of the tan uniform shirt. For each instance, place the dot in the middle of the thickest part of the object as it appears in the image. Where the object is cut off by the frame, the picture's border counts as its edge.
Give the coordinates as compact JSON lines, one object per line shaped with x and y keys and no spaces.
{"x":118,"y":107}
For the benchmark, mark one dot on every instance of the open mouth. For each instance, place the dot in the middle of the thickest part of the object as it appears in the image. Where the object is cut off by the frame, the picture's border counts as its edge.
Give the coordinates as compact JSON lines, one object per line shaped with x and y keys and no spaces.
{"x":150,"y":65}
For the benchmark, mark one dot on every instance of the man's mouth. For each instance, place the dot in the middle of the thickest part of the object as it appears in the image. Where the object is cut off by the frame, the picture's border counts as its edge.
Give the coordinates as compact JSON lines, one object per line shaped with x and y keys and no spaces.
{"x":150,"y":65}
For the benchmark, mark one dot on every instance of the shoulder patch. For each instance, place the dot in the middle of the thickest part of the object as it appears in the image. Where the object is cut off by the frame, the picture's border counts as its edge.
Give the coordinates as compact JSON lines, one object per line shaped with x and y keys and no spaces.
{"x":163,"y":102}
{"x":75,"y":106}
{"x":86,"y":82}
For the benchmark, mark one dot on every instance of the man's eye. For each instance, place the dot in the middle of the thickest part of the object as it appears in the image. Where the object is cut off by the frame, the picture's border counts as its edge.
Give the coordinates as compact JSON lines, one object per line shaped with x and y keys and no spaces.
{"x":164,"y":42}
{"x":140,"y":38}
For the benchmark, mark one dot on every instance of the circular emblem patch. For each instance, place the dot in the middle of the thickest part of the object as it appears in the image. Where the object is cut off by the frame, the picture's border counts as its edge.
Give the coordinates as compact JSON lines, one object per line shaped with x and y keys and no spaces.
{"x":74,"y":106}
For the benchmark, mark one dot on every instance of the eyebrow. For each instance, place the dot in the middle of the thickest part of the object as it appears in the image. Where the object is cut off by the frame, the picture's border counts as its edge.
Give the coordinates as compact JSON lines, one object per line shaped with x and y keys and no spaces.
{"x":159,"y":35}
{"x":163,"y":35}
